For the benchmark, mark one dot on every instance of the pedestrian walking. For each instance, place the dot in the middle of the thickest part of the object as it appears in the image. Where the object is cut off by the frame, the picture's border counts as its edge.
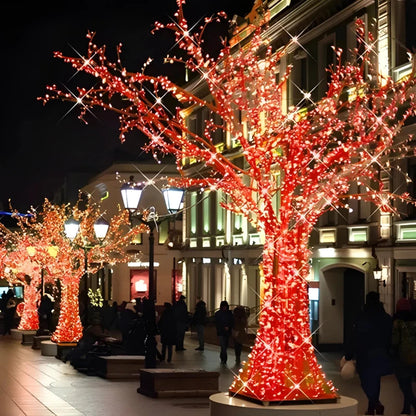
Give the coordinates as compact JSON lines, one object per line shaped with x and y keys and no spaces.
{"x":167,"y":329}
{"x":45,"y":310}
{"x":199,"y":320}
{"x":370,"y":346}
{"x":182,"y":322}
{"x":404,"y":350}
{"x":224,"y":324}
{"x":239,"y":331}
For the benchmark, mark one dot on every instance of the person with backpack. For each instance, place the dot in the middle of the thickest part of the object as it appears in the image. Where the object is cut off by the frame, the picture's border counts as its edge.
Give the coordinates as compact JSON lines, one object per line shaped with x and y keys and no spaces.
{"x":404,"y":349}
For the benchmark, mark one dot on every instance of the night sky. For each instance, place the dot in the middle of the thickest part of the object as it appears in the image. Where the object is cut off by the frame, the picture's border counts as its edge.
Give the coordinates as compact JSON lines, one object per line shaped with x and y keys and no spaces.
{"x":41,"y":144}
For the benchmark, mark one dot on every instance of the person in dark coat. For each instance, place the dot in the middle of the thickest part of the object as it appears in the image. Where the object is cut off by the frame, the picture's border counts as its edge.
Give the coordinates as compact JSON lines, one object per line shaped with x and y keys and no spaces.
{"x":167,"y":329}
{"x":9,"y":312}
{"x":404,"y":348}
{"x":182,"y":322}
{"x":370,"y":345}
{"x":224,"y":324}
{"x":199,"y":319}
{"x":45,"y":310}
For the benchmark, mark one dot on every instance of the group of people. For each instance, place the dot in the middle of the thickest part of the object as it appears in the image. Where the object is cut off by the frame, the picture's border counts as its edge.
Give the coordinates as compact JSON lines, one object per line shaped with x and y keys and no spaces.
{"x":175,"y":320}
{"x":380,"y":345}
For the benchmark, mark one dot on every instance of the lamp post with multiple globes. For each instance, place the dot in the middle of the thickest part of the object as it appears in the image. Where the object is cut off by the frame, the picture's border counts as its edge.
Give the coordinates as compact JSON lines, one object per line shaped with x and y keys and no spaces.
{"x":131,"y":193}
{"x":71,"y":229}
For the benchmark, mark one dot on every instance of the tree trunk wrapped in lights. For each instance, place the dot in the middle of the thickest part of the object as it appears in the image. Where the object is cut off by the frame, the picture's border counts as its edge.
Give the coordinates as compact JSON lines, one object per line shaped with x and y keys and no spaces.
{"x":29,"y":319}
{"x":307,"y":159}
{"x":69,"y":328}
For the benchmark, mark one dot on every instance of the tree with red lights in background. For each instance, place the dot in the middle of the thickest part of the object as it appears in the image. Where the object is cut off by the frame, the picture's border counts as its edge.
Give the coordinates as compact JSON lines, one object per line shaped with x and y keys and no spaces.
{"x":308,"y":159}
{"x":41,"y":246}
{"x":25,"y":261}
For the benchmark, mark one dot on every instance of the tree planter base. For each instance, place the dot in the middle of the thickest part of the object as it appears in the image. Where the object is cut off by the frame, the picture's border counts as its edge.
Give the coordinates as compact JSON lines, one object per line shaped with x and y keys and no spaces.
{"x":48,"y":348}
{"x":27,"y":337}
{"x":284,"y":402}
{"x":37,"y":339}
{"x":225,"y":405}
{"x":64,"y":348}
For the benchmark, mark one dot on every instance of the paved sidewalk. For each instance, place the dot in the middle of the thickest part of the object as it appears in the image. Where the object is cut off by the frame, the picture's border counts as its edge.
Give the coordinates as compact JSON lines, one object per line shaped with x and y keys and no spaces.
{"x":36,"y":385}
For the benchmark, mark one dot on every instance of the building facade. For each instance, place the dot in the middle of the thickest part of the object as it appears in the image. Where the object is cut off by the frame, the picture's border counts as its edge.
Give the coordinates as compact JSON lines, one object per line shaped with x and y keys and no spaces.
{"x":222,"y":251}
{"x":125,"y":282}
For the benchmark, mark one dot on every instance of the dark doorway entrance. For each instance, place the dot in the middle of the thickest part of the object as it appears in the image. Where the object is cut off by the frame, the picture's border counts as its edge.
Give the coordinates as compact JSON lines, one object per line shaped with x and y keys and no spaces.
{"x":353,"y":299}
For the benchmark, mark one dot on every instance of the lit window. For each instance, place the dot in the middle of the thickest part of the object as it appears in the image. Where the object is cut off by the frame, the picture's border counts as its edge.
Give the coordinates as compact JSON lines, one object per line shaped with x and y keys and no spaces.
{"x":206,"y":242}
{"x":220,"y":241}
{"x":206,"y":217}
{"x":238,"y":240}
{"x":254,"y":239}
{"x":407,"y":231}
{"x":327,"y":235}
{"x":193,"y":212}
{"x":358,"y":234}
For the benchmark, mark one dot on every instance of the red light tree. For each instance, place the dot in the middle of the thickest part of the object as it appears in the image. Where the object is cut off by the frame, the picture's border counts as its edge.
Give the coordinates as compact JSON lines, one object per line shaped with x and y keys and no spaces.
{"x":308,"y":159}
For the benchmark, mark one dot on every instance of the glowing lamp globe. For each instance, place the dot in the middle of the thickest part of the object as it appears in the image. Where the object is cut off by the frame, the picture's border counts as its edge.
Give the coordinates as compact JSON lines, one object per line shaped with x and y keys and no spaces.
{"x":100,"y":228}
{"x":71,"y":228}
{"x":173,"y":199}
{"x":131,"y":193}
{"x":377,"y":273}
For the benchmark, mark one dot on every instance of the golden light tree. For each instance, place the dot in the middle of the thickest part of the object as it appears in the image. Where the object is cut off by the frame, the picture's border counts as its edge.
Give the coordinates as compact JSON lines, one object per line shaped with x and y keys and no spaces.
{"x":41,"y":246}
{"x":83,"y":255}
{"x":308,"y":159}
{"x":25,"y":259}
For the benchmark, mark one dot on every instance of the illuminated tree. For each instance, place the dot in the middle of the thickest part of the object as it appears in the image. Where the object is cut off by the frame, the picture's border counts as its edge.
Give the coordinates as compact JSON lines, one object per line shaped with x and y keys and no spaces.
{"x":23,"y":263}
{"x":85,"y":254}
{"x":307,"y":159}
{"x":41,"y":246}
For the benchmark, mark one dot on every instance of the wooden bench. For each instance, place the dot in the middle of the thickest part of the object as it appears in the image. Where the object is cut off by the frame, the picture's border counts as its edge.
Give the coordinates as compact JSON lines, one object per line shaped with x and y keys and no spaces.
{"x":165,"y":382}
{"x":37,"y":339}
{"x":118,"y":366}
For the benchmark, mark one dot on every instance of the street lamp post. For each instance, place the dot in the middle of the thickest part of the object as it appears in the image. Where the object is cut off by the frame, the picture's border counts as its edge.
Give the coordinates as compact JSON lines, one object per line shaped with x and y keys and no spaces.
{"x":131,"y":193}
{"x":71,"y":229}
